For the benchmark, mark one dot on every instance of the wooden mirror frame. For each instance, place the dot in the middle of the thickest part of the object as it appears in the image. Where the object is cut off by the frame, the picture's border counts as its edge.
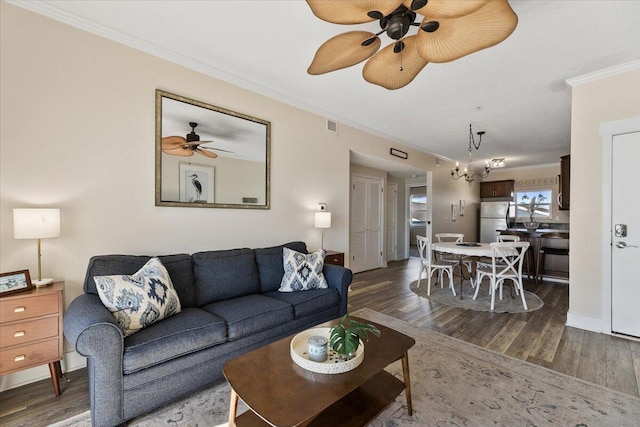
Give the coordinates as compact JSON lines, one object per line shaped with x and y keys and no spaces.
{"x":224,"y":115}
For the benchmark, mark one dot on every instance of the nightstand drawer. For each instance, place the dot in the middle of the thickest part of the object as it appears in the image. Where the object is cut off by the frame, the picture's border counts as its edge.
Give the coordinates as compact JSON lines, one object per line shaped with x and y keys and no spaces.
{"x":335,"y":258}
{"x":26,"y":356}
{"x":25,"y":332}
{"x":25,"y":308}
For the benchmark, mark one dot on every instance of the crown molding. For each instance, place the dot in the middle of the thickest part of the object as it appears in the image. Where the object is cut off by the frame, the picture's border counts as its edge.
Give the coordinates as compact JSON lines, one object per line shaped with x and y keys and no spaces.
{"x":601,"y":74}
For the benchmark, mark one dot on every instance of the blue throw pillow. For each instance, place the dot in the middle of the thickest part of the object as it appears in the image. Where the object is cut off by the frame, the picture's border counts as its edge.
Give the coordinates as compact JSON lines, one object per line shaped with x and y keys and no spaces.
{"x":302,"y":272}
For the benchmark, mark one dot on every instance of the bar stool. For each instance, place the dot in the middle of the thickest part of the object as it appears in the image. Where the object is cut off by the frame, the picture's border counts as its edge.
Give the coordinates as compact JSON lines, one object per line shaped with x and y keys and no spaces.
{"x":529,"y":260}
{"x":554,"y":243}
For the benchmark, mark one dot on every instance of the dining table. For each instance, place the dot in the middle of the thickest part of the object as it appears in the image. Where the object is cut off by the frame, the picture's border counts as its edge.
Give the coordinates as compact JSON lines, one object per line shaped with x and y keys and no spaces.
{"x":462,"y":249}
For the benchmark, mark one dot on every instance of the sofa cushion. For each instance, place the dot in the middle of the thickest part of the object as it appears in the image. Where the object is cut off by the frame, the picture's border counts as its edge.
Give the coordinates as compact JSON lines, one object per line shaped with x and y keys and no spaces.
{"x":189,"y":331}
{"x":308,"y":302}
{"x":270,"y":265}
{"x":302,"y":271}
{"x":222,"y":275}
{"x":250,"y":314}
{"x":180,"y":268}
{"x":141,"y":299}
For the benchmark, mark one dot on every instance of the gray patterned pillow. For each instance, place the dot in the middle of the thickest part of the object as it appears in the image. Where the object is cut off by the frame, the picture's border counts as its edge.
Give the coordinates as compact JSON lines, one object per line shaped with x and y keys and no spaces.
{"x":302,"y":272}
{"x":141,"y":299}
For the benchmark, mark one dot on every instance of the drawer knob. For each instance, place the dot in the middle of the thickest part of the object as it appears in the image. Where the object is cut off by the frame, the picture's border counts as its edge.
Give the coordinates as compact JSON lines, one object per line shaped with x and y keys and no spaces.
{"x":18,"y":334}
{"x":19,"y":358}
{"x":18,"y":309}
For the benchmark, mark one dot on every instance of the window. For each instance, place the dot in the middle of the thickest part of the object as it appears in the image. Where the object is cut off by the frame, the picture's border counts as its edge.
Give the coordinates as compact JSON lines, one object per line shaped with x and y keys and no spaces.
{"x":542,"y":208}
{"x":418,"y":205}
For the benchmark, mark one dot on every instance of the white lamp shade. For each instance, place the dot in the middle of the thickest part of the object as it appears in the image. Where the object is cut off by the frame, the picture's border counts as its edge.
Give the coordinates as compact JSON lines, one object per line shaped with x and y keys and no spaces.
{"x":323,"y":220}
{"x":36,"y":223}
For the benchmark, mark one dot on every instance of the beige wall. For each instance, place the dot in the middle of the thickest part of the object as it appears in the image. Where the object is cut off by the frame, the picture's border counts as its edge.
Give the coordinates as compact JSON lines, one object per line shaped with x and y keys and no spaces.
{"x":593,"y":103}
{"x":77,"y":114}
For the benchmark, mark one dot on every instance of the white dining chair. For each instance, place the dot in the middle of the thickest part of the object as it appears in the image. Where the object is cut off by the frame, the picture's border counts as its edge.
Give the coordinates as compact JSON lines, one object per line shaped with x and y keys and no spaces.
{"x":506,"y":264}
{"x":466,"y":261}
{"x":485,"y":262}
{"x":428,"y":264}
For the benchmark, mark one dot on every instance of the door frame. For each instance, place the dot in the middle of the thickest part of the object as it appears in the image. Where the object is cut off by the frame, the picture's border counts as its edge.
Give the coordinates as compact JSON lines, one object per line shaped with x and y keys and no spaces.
{"x":607,"y":131}
{"x":407,"y":216}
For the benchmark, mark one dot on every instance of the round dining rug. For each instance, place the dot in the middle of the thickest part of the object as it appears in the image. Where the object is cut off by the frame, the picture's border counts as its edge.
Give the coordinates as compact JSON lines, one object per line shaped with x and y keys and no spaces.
{"x":510,"y":303}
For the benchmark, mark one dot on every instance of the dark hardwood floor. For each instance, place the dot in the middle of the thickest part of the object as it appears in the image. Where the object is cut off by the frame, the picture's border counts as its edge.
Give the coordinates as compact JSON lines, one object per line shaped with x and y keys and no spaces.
{"x":539,"y":337}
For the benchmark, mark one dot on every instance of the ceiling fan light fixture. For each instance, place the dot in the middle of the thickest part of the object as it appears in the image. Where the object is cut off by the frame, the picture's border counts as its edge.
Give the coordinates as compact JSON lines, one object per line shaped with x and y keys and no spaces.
{"x":430,"y":26}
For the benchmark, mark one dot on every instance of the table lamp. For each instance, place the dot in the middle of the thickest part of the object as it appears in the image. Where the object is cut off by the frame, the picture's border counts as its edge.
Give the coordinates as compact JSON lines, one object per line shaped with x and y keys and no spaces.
{"x":36,"y":224}
{"x":322,"y":220}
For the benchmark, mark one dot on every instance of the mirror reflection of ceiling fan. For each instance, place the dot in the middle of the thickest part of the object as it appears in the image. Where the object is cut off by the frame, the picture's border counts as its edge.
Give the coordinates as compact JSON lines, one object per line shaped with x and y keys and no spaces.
{"x":179,"y":146}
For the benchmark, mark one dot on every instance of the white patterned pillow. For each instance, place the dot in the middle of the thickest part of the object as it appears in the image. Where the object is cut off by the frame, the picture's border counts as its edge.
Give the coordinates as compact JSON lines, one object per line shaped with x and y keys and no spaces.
{"x":141,"y":299}
{"x":302,"y":272}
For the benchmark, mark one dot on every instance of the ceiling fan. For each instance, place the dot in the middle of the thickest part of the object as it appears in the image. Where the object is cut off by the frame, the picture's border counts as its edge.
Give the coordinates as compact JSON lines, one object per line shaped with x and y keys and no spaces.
{"x":449,"y":30}
{"x":179,"y":146}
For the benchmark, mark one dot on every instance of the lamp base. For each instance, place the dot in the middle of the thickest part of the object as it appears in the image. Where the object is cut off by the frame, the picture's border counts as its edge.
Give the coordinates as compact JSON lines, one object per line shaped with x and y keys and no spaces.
{"x":42,"y":282}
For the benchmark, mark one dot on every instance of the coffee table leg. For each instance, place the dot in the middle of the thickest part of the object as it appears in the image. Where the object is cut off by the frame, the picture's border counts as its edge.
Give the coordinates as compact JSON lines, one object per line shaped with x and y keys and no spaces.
{"x":233,"y":408}
{"x":407,"y":381}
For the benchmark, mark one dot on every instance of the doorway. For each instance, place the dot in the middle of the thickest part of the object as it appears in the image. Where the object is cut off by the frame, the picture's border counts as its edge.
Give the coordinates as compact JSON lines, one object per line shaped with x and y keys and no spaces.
{"x":621,"y":232}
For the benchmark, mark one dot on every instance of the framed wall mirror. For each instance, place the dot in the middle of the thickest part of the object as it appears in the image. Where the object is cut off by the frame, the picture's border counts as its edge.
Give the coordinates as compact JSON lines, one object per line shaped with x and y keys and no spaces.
{"x":210,"y":157}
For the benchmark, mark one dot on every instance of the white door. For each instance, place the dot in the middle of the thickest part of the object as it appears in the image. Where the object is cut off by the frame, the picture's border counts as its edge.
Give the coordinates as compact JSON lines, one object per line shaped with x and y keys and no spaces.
{"x":392,"y":221}
{"x":366,"y":223}
{"x":625,"y":255}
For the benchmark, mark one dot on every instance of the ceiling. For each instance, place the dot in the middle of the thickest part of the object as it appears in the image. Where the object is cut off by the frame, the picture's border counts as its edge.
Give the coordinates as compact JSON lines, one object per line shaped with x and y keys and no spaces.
{"x":515,"y":91}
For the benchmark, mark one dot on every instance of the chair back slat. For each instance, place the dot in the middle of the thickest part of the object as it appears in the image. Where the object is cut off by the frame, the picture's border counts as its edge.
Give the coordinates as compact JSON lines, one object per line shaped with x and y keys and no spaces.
{"x":450,"y":237}
{"x":507,"y":258}
{"x":424,"y":248}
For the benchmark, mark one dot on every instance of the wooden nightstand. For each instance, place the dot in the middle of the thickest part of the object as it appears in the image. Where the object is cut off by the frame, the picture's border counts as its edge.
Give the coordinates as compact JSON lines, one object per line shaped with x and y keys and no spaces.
{"x":335,"y":258}
{"x":31,"y":331}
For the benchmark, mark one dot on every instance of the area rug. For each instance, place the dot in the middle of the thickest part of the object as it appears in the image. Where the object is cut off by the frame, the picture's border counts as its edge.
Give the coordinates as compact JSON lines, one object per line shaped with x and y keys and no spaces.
{"x":453,"y":383}
{"x":510,"y":303}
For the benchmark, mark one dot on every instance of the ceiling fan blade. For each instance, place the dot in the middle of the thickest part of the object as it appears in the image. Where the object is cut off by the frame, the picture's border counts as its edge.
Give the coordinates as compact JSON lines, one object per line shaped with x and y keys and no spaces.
{"x":352,"y":12}
{"x":175,"y":146}
{"x":196,"y":143}
{"x":448,"y":8}
{"x":394,"y":70}
{"x":205,"y":153}
{"x":173,"y":141}
{"x":342,"y":51}
{"x":454,"y":38}
{"x":216,"y":149}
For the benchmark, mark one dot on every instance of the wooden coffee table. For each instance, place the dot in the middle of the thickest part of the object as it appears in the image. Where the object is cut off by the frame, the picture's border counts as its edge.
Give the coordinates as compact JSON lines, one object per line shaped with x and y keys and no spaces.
{"x":281,"y":393}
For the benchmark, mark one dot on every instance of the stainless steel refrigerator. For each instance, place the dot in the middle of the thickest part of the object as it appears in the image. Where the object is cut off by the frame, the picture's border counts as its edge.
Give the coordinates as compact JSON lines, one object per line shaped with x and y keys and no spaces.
{"x":493,"y":216}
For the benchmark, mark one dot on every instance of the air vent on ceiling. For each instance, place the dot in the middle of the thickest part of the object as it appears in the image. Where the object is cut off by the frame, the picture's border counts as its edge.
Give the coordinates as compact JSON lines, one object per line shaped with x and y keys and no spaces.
{"x":332,"y":126}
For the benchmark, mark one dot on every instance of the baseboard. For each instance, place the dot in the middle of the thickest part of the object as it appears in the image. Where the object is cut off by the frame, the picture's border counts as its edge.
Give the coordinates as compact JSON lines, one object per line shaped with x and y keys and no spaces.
{"x":70,"y":362}
{"x":584,"y":322}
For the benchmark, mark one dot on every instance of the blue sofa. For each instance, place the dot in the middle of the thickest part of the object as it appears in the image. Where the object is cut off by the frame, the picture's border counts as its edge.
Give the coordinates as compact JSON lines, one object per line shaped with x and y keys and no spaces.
{"x":230,"y":305}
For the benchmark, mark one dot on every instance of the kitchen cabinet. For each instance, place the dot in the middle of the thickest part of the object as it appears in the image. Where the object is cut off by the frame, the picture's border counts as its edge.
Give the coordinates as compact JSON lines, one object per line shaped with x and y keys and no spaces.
{"x":491,"y":189}
{"x":564,"y":195}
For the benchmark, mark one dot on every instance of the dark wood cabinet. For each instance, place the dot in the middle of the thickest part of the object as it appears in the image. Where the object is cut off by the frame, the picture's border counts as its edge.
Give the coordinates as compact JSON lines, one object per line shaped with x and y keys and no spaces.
{"x":335,"y":258}
{"x":496,"y":189}
{"x":564,"y":197}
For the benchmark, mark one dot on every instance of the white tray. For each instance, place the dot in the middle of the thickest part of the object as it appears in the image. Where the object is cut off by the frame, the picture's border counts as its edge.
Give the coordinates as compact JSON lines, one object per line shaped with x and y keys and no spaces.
{"x":330,"y":366}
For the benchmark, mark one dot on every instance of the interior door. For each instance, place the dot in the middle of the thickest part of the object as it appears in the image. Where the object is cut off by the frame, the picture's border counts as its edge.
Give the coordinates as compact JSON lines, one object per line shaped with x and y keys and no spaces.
{"x":625,"y":254}
{"x":392,"y":221}
{"x":366,"y":223}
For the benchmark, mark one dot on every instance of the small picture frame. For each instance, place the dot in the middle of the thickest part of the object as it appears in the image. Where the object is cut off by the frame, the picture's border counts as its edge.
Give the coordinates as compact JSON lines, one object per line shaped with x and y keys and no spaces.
{"x":15,"y":281}
{"x":398,"y":153}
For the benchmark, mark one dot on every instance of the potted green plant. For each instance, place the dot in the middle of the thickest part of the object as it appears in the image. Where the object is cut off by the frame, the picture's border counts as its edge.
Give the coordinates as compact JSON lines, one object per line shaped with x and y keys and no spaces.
{"x":344,"y":338}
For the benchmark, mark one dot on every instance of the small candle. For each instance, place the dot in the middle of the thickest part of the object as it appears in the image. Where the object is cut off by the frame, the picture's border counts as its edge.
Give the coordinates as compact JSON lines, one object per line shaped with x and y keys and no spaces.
{"x":317,"y":348}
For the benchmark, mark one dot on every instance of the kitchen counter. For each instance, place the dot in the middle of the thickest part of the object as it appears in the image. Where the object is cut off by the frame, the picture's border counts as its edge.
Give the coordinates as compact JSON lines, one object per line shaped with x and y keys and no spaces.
{"x":537,"y":230}
{"x":556,"y":265}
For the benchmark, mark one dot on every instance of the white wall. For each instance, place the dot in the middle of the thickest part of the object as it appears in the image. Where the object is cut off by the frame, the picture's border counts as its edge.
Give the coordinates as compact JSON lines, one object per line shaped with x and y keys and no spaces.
{"x":78,"y":131}
{"x":594,"y":102}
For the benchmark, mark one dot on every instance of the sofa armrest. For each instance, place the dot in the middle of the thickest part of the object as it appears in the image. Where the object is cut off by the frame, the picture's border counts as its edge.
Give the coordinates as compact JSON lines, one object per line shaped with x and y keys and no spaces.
{"x":94,"y":333}
{"x":339,"y":278}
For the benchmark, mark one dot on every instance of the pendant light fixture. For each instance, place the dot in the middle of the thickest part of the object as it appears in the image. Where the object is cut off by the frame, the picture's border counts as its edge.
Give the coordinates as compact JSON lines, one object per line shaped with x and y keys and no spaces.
{"x":469,"y":173}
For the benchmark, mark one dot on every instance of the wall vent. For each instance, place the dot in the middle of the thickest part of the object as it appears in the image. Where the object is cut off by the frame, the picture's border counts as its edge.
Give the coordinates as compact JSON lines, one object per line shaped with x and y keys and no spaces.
{"x":332,"y":126}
